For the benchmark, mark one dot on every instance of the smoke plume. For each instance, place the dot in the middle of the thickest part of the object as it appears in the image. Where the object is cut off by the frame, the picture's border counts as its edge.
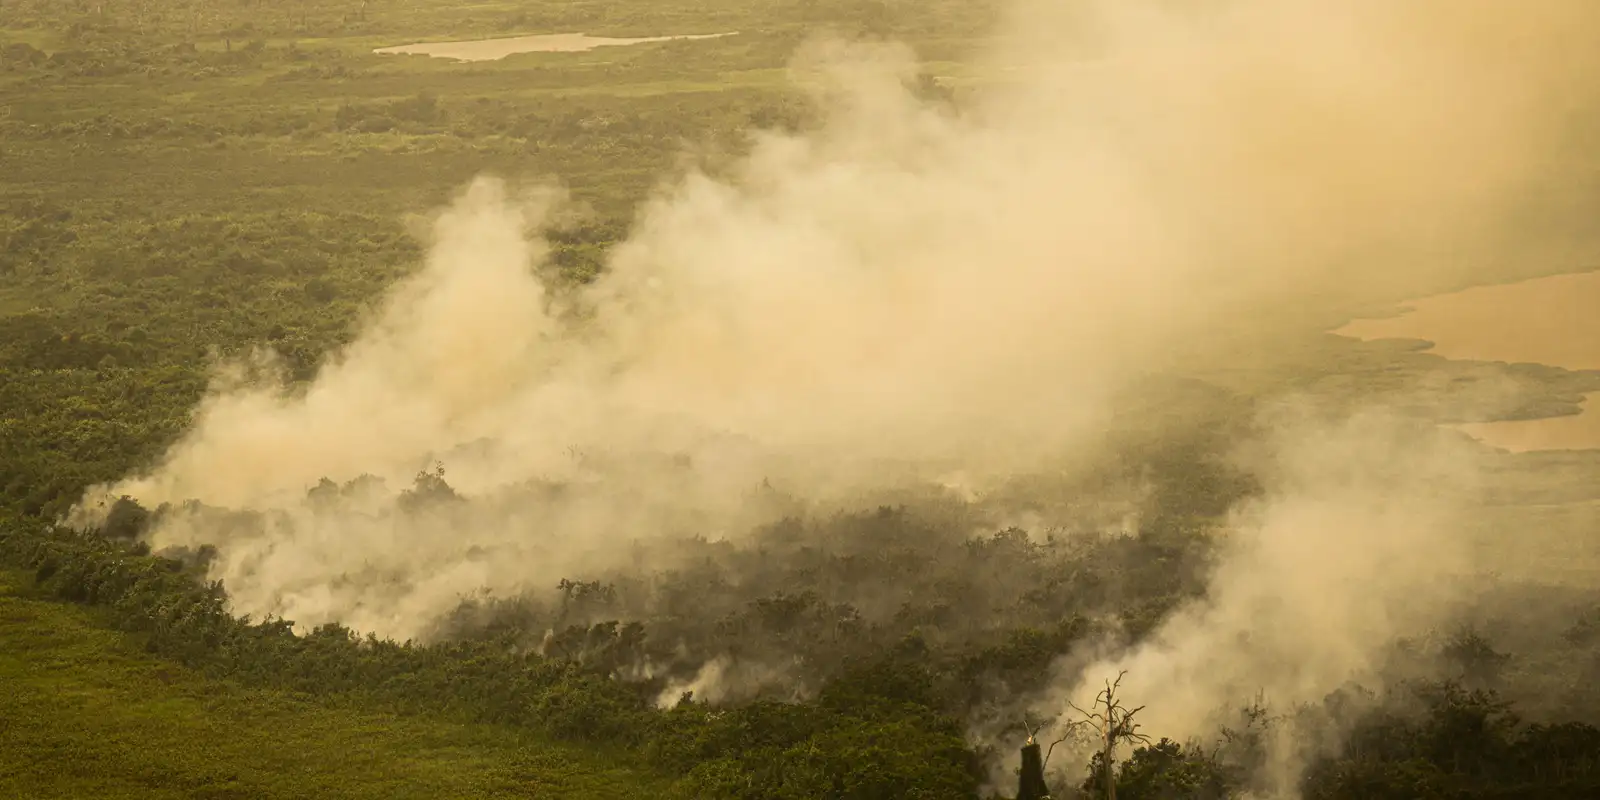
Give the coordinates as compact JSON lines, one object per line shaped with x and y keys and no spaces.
{"x":913,"y":290}
{"x":1356,"y":544}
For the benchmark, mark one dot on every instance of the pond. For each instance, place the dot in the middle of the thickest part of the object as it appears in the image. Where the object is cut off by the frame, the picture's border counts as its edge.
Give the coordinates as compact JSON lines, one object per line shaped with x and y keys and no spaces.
{"x":494,"y":49}
{"x":1554,"y":320}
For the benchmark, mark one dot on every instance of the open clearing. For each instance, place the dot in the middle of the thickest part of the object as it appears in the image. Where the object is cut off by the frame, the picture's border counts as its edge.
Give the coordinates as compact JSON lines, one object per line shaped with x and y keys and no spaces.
{"x":496,"y":49}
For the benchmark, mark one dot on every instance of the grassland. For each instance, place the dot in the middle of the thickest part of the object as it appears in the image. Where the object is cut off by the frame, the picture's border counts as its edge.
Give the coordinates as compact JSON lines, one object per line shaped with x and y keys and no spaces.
{"x":87,"y":713}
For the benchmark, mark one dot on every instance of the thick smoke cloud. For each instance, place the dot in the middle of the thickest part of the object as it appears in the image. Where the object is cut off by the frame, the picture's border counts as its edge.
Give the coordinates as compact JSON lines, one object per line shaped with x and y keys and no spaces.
{"x":1357,"y":544}
{"x":910,"y":292}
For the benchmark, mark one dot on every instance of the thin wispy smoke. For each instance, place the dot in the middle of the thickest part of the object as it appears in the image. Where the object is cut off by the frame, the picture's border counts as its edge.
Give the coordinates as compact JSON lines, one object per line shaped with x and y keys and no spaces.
{"x":911,"y":291}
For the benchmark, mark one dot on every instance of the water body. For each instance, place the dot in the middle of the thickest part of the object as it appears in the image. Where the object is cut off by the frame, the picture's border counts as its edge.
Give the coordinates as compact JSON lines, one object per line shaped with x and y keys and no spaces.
{"x":495,"y":49}
{"x":1554,"y":320}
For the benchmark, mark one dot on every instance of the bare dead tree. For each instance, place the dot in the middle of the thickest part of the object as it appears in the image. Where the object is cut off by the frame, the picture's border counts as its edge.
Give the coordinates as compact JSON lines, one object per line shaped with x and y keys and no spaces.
{"x":1112,"y":724}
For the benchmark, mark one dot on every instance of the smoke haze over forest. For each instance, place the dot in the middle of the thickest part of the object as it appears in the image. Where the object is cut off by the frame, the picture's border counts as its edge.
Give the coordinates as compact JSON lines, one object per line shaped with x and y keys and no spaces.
{"x":970,"y":308}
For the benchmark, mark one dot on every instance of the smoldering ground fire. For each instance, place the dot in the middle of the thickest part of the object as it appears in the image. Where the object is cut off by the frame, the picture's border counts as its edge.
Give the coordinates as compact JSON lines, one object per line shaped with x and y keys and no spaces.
{"x":909,"y":291}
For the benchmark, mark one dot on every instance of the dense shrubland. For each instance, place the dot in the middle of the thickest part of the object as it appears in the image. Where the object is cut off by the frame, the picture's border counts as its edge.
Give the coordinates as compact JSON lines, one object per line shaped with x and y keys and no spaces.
{"x":881,"y":638}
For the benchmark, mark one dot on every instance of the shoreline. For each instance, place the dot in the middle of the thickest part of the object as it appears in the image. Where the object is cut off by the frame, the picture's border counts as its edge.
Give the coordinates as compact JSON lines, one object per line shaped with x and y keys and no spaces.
{"x":1546,"y":321}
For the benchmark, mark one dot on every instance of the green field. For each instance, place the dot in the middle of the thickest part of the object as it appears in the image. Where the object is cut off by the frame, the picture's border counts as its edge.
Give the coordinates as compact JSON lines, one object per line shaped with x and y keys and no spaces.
{"x":87,"y":713}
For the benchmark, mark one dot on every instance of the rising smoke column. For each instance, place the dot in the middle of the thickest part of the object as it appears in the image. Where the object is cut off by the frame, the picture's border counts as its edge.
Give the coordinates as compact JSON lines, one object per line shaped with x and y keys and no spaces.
{"x":907,"y":291}
{"x":1356,"y":543}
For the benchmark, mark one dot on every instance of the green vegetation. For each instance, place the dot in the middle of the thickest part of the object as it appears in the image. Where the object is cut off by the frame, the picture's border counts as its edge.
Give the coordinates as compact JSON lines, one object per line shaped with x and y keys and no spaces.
{"x":873,"y":733}
{"x":880,"y":725}
{"x":88,"y":713}
{"x":188,"y":177}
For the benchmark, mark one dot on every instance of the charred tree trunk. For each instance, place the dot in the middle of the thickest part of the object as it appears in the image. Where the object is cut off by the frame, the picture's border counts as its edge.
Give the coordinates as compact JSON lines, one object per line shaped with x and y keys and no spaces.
{"x":1030,"y":785}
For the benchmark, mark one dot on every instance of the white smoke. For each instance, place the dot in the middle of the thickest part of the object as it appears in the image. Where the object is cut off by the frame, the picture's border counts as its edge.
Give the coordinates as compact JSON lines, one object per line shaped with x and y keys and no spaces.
{"x":912,"y":291}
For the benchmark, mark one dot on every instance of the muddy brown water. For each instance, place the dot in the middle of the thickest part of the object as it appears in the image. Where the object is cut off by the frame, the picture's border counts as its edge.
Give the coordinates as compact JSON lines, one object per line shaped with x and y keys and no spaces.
{"x":494,"y":49}
{"x":1554,"y":320}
